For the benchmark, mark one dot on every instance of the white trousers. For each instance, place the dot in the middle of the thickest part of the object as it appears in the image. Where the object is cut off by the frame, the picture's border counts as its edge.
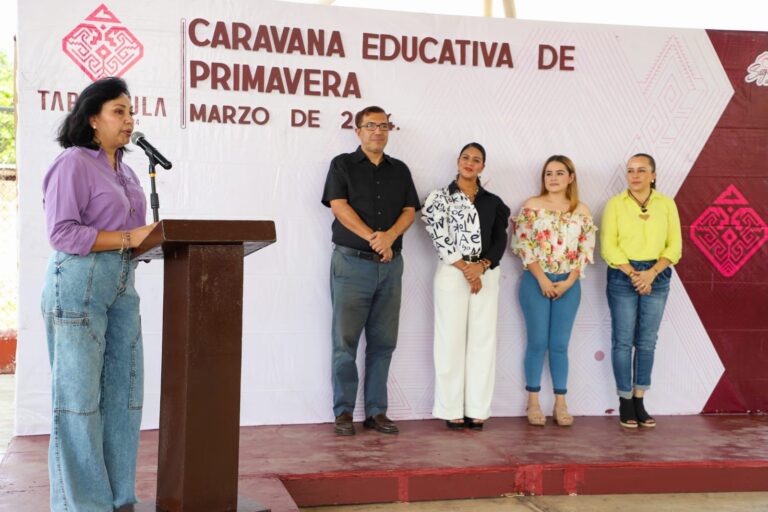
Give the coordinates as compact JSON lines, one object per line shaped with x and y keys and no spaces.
{"x":465,"y":344}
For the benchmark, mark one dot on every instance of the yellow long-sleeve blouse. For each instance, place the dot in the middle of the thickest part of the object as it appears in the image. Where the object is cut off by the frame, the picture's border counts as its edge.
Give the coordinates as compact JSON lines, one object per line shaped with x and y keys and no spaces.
{"x":628,"y":234}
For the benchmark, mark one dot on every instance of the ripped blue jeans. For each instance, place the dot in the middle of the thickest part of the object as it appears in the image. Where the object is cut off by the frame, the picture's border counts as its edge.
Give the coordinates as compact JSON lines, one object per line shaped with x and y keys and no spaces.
{"x":91,"y":313}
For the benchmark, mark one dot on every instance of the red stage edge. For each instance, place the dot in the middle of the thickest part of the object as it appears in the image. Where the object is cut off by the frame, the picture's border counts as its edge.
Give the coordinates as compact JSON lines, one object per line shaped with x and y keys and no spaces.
{"x":348,"y":488}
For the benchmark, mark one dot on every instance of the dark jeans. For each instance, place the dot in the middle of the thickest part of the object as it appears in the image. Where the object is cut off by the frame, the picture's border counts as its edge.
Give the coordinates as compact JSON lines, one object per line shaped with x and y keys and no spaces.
{"x":635,"y":321}
{"x":365,"y":295}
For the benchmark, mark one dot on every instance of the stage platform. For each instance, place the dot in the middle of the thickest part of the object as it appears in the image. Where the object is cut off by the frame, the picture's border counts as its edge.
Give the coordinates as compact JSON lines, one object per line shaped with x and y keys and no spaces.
{"x":285,"y":467}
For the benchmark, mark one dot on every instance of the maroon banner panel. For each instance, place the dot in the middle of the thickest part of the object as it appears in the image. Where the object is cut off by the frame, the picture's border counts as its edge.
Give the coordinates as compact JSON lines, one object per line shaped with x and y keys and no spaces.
{"x":724,"y":211}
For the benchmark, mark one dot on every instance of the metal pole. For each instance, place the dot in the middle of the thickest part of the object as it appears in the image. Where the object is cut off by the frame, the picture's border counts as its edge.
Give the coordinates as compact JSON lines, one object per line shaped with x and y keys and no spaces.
{"x":154,"y":199}
{"x":509,"y":8}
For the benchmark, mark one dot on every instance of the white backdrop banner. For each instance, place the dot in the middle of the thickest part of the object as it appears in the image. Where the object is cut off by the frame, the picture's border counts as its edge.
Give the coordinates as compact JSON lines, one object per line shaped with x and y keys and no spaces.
{"x":252,"y":99}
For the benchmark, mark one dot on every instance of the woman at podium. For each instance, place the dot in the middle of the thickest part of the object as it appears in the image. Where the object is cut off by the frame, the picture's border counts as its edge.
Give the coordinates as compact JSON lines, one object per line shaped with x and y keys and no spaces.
{"x":95,"y":214}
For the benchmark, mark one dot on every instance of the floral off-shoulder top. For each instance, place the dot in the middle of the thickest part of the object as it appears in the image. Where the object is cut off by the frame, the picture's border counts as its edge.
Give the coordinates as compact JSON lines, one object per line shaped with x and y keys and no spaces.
{"x":559,"y":241}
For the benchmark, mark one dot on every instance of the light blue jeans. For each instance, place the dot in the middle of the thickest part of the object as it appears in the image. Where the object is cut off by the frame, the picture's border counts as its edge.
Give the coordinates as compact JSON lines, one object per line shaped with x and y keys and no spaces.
{"x":548,"y":324}
{"x":91,"y":313}
{"x":635,"y":321}
{"x":365,"y":295}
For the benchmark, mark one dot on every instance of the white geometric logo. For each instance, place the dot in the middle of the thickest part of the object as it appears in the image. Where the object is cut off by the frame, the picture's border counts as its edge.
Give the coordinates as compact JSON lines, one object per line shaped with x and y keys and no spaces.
{"x":758,"y":71}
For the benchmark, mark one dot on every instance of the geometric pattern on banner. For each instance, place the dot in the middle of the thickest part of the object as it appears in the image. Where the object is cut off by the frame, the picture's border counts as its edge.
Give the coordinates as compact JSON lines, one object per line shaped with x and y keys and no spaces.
{"x":670,"y":88}
{"x":757,"y":72}
{"x":729,"y":232}
{"x":669,"y":81}
{"x":101,"y":46}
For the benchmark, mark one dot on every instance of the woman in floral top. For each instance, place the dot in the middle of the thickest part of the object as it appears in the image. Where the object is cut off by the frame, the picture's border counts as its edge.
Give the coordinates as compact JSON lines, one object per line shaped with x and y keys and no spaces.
{"x":555,"y":237}
{"x":468,"y":226}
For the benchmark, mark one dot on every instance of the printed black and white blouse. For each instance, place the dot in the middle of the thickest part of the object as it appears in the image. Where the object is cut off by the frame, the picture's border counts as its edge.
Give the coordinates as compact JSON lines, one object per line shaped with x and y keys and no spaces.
{"x":460,"y":228}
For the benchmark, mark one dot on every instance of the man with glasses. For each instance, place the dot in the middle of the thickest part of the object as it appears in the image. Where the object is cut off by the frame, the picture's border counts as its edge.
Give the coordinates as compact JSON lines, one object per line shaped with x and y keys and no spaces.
{"x":374,"y":201}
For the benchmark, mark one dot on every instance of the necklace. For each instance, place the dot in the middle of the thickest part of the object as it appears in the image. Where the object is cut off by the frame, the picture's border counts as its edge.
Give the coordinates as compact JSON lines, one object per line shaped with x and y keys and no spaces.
{"x":642,"y":204}
{"x":471,"y":195}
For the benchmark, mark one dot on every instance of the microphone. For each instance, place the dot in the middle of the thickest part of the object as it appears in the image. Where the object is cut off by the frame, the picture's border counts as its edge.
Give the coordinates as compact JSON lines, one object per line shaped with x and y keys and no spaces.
{"x":138,"y":139}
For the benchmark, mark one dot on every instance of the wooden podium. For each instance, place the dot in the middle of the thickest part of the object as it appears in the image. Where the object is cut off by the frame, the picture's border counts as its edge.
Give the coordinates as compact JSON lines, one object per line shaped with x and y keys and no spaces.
{"x":202,"y":347}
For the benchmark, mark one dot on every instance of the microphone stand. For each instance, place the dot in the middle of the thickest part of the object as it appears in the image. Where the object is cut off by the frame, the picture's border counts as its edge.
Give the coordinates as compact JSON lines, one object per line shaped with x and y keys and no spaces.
{"x":154,"y":200}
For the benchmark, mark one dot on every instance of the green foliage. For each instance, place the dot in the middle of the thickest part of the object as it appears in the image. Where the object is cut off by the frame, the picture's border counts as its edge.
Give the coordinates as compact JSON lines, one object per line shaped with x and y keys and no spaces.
{"x":6,"y":81}
{"x":7,"y":130}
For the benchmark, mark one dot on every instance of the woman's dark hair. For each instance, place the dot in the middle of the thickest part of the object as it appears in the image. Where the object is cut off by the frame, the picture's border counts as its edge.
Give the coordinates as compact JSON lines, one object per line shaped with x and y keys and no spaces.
{"x":478,"y":147}
{"x":651,"y":161}
{"x":76,"y":129}
{"x":475,"y":145}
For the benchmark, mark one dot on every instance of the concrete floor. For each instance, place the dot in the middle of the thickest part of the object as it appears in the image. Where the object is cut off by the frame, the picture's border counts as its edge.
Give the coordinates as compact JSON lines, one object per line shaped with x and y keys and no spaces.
{"x":719,"y":502}
{"x":707,"y":502}
{"x":7,"y":411}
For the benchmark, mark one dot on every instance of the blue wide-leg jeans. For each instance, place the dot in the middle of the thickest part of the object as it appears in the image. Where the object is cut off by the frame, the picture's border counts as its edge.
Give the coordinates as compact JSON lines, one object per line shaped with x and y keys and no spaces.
{"x":635,"y":321}
{"x":365,"y":295}
{"x":91,"y":313}
{"x":548,"y":324}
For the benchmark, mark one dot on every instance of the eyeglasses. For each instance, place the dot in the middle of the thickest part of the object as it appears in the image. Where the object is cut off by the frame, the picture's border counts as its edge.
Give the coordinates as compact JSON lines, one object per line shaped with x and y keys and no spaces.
{"x":371,"y":127}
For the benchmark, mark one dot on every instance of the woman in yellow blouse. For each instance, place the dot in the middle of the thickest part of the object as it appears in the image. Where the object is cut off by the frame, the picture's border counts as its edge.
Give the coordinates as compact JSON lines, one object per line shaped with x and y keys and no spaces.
{"x":555,"y":237}
{"x":640,"y":238}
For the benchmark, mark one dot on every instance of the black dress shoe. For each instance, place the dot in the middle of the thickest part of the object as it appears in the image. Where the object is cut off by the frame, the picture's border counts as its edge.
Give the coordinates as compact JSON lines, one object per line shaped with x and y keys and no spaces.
{"x":381,"y":423}
{"x":343,"y":425}
{"x":453,"y":425}
{"x":473,"y":424}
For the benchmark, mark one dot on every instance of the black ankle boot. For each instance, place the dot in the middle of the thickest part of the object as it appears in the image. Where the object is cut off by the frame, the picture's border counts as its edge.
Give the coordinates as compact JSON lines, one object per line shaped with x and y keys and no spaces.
{"x":643,"y":418}
{"x":627,"y":415}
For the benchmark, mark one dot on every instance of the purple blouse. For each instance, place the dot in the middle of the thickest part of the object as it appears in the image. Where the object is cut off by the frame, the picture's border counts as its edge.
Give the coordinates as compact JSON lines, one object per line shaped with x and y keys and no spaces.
{"x":82,"y":195}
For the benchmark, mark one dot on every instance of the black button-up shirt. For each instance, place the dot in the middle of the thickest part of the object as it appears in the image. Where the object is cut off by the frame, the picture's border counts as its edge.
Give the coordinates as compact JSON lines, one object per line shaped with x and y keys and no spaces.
{"x":378,"y":194}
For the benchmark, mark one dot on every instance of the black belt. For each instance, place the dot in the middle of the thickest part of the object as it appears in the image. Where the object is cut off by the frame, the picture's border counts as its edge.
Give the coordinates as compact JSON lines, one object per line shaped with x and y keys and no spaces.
{"x":472,"y":258}
{"x":365,"y":255}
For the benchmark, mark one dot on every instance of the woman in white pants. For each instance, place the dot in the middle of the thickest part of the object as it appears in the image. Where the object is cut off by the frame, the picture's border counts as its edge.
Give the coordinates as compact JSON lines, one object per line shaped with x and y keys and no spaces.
{"x":468,"y":226}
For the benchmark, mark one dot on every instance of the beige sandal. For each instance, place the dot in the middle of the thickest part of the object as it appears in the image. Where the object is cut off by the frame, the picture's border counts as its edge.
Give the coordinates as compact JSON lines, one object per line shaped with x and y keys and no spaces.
{"x":561,"y":416}
{"x":536,"y":417}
